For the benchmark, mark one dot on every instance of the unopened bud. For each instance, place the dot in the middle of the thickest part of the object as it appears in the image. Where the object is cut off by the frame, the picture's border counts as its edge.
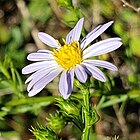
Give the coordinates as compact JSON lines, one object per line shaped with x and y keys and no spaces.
{"x":69,"y":108}
{"x":42,"y":133}
{"x":56,"y":122}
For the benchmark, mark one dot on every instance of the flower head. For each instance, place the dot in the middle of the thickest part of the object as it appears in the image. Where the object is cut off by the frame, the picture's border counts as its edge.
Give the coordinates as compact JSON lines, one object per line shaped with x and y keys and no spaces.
{"x":56,"y":122}
{"x":71,"y":59}
{"x":43,"y":133}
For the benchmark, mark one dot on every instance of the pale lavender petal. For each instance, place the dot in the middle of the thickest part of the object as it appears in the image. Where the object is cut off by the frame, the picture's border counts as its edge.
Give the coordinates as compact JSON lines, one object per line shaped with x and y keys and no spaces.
{"x":70,"y":79}
{"x":69,"y":37}
{"x":45,"y":51}
{"x":39,"y":85}
{"x":80,"y":73}
{"x":63,"y":84}
{"x":75,"y":33}
{"x":48,"y":40}
{"x":95,"y":33}
{"x":101,"y":63}
{"x":40,"y":56}
{"x":39,"y":75}
{"x":66,"y":83}
{"x":102,"y":47}
{"x":90,"y":33}
{"x":94,"y":71}
{"x":77,"y":30}
{"x":84,"y":40}
{"x":37,"y":66}
{"x":35,"y":90}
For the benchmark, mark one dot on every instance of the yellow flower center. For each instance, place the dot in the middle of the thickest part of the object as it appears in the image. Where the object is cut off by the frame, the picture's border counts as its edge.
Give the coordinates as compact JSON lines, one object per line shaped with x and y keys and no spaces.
{"x":68,"y":55}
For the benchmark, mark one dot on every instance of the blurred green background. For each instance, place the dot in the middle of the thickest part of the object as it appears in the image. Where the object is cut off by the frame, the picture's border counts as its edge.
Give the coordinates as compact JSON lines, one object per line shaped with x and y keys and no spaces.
{"x":117,"y":100}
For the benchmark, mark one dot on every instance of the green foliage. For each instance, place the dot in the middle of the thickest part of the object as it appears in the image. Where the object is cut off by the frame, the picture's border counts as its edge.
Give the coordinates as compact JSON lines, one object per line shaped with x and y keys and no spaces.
{"x":40,"y":10}
{"x":71,"y":16}
{"x":135,"y":47}
{"x":63,"y":3}
{"x":4,"y":33}
{"x":107,"y":11}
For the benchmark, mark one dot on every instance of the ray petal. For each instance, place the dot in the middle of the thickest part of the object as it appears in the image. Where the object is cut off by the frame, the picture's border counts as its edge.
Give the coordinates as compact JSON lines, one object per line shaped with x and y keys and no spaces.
{"x":75,"y":33}
{"x":39,"y":85}
{"x":70,"y":79}
{"x":95,"y":72}
{"x":101,"y":63}
{"x":63,"y":84}
{"x":38,"y":73}
{"x":38,"y":76}
{"x":80,"y":73}
{"x":48,"y":40}
{"x":95,"y":33}
{"x":45,"y":51}
{"x":66,"y":83}
{"x":102,"y":47}
{"x":40,"y":56}
{"x":37,"y":66}
{"x":84,"y":40}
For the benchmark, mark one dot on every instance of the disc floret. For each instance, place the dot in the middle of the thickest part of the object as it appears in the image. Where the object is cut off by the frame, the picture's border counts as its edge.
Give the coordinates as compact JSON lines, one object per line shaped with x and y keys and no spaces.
{"x":68,"y":55}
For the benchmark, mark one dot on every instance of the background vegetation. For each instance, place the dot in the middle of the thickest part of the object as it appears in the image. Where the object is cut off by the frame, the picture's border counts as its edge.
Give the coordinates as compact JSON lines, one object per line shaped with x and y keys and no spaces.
{"x":117,"y":100}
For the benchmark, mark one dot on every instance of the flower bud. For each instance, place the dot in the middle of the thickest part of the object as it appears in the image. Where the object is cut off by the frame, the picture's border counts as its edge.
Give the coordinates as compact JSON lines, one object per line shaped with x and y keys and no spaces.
{"x":56,"y":122}
{"x":42,"y":133}
{"x":69,"y":108}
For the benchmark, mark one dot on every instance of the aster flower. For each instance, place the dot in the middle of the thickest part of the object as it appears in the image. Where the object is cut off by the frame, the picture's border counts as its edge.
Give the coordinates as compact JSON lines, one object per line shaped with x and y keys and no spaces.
{"x":71,"y":59}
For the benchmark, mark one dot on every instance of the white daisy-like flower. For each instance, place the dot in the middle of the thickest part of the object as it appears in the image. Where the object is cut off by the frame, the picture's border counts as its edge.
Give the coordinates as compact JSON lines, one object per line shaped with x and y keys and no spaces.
{"x":71,"y":59}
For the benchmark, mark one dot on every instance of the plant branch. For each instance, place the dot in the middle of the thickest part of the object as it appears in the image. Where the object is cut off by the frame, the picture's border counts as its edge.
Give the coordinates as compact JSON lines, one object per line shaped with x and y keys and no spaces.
{"x":137,"y":9}
{"x":56,"y":9}
{"x":34,"y":31}
{"x":122,"y":121}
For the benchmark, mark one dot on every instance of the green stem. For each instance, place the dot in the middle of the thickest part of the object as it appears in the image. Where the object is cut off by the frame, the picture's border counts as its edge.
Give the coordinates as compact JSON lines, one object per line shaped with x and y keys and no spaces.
{"x":86,"y":113}
{"x":86,"y":109}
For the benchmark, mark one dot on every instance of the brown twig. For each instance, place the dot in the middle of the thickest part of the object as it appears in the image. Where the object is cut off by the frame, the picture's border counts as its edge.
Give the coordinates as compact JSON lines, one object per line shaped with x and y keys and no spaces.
{"x":25,"y":13}
{"x":55,"y":8}
{"x":122,"y":121}
{"x":96,"y":11}
{"x":125,"y":3}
